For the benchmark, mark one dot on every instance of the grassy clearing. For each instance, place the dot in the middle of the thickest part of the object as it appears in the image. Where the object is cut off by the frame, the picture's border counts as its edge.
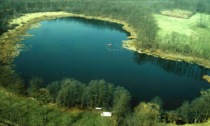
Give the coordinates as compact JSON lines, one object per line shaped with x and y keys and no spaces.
{"x":187,"y":27}
{"x":186,"y":37}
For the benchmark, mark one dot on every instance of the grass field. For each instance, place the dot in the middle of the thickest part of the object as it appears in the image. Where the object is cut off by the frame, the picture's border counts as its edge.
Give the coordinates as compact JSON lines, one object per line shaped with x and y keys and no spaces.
{"x":188,"y":37}
{"x":168,"y":24}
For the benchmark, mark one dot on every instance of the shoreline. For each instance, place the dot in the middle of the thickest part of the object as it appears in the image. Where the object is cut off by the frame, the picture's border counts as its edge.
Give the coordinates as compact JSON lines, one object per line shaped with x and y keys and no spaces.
{"x":170,"y":56}
{"x":26,"y":21}
{"x":207,"y":78}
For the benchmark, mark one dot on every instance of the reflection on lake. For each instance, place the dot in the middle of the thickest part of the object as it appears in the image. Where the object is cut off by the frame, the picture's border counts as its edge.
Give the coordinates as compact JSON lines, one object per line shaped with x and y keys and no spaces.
{"x":90,"y":49}
{"x":179,"y":68}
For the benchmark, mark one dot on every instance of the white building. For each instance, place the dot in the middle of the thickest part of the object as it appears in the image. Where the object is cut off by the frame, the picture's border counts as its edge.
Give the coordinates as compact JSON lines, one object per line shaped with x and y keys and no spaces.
{"x":98,"y":108}
{"x":107,"y":114}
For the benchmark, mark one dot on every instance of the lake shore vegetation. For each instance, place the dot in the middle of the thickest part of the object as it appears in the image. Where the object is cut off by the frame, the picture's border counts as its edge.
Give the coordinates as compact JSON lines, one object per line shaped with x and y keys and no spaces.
{"x":156,"y":29}
{"x":30,"y":20}
{"x":207,"y":78}
{"x":143,"y":18}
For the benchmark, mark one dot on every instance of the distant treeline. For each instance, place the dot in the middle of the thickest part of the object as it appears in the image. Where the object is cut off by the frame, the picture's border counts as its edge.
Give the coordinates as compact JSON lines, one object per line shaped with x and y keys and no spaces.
{"x":136,"y":13}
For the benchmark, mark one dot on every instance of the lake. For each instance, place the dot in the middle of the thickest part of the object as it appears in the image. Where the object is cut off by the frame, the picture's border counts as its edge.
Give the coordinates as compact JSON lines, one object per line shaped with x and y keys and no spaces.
{"x":87,"y":49}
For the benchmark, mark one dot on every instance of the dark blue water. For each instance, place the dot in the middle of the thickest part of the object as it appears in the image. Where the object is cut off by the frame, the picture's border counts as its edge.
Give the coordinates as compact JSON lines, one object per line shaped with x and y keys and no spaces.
{"x":76,"y":47}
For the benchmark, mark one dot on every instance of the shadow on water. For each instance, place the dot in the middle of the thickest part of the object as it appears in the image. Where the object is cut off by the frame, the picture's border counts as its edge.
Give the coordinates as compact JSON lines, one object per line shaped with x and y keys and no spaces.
{"x":101,"y":25}
{"x":178,"y":67}
{"x":174,"y":91}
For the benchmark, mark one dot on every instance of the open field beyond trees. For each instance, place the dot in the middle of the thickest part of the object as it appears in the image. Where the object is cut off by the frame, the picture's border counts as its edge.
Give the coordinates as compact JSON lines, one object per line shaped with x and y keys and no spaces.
{"x":188,"y":37}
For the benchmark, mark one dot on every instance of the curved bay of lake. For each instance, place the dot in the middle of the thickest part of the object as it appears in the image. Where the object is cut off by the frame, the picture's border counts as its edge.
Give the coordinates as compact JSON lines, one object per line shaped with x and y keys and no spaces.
{"x":79,"y":48}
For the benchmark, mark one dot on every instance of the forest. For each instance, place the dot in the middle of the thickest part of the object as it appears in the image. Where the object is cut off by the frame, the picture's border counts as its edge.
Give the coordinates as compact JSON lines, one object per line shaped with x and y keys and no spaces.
{"x":30,"y":103}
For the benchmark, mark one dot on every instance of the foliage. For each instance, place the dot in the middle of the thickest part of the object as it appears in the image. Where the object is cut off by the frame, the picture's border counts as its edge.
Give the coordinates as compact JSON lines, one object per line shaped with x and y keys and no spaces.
{"x":158,"y":101}
{"x":198,"y":110}
{"x":35,"y":85}
{"x":121,"y":105}
{"x":145,"y":114}
{"x":101,"y":93}
{"x":53,"y":89}
{"x":10,"y":80}
{"x":70,"y":93}
{"x":23,"y":111}
{"x":97,"y":93}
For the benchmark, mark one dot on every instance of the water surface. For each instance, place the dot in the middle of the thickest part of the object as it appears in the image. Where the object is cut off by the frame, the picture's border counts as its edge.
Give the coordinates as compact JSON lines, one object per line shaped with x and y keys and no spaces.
{"x":76,"y":47}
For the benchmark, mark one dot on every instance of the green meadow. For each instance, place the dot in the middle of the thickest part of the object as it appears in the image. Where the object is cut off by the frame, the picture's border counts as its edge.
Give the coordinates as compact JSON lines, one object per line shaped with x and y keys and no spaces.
{"x":187,"y":36}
